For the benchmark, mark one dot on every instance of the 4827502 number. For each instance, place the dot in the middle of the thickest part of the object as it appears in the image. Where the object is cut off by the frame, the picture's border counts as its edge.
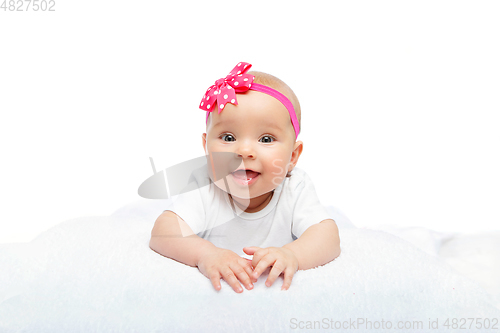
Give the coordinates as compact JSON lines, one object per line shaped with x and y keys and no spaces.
{"x":469,"y":323}
{"x":28,"y":5}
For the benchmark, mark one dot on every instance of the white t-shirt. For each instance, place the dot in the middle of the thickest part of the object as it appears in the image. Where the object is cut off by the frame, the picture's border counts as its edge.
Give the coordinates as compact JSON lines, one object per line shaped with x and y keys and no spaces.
{"x":293,"y":208}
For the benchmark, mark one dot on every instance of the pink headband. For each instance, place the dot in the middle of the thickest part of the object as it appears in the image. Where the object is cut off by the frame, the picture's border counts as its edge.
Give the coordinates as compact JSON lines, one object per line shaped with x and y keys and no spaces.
{"x":224,"y":91}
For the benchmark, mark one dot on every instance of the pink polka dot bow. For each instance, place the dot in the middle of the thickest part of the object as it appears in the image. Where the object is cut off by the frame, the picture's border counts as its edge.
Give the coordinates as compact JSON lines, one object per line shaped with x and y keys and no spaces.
{"x":224,"y":90}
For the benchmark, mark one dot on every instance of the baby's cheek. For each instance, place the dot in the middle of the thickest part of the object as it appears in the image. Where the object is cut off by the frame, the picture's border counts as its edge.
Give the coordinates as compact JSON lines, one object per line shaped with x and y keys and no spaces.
{"x":276,"y":167}
{"x":277,"y":171}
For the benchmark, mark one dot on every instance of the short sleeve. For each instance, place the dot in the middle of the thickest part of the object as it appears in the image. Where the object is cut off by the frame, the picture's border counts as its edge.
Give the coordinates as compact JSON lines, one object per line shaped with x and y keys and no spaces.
{"x":308,"y":210}
{"x":189,"y":207}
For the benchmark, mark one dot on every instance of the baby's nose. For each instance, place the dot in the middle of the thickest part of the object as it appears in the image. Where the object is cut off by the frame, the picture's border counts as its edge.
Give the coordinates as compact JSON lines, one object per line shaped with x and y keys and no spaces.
{"x":246,"y":150}
{"x":249,"y":155}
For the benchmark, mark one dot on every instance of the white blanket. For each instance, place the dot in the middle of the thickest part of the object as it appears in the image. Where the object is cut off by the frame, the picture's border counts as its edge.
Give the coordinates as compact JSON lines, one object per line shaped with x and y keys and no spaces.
{"x":98,"y":274}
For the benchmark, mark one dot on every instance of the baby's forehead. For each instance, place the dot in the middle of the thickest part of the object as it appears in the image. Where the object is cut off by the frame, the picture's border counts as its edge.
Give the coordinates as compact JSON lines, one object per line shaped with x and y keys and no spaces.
{"x":264,"y":122}
{"x":254,"y":110}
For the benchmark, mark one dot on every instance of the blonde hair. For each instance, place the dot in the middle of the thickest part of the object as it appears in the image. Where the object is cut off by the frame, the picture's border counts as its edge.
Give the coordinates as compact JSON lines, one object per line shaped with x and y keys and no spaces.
{"x":275,"y":83}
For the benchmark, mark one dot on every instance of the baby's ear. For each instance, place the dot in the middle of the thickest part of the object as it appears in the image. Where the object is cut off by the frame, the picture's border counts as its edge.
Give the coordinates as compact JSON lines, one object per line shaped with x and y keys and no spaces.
{"x":204,"y":142}
{"x":297,"y":150}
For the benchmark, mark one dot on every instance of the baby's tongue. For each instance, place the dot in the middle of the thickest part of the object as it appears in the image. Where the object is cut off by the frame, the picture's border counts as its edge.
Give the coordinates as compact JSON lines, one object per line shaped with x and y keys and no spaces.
{"x":242,"y":174}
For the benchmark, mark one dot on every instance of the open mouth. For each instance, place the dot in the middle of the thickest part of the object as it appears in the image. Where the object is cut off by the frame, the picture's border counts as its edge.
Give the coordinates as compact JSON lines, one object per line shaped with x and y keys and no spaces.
{"x":245,"y":177}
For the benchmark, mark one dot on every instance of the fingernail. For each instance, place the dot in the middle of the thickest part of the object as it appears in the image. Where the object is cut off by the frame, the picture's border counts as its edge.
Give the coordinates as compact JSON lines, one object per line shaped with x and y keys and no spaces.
{"x":240,"y":289}
{"x":268,"y":284}
{"x":250,"y":286}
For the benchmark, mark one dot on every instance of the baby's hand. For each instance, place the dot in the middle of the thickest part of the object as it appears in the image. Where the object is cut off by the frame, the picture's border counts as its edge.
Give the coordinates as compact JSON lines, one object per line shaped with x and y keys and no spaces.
{"x":281,"y":259}
{"x":226,"y":264}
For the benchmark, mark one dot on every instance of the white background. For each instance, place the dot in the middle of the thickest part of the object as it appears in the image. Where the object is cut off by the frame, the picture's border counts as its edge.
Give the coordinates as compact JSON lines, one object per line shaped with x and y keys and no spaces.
{"x":400,"y":103}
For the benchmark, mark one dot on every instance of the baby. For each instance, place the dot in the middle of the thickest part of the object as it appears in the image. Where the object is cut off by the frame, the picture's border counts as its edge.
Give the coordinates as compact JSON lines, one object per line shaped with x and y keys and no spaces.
{"x":264,"y":214}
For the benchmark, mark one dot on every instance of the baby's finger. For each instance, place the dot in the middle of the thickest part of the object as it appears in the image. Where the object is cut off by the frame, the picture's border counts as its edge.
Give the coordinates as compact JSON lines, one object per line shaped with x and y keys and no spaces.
{"x":229,"y":277}
{"x":247,"y":265}
{"x":250,"y":250}
{"x":242,"y":275}
{"x":263,"y":264}
{"x":215,"y":279}
{"x":274,"y":273}
{"x":288,"y":276}
{"x":258,"y":255}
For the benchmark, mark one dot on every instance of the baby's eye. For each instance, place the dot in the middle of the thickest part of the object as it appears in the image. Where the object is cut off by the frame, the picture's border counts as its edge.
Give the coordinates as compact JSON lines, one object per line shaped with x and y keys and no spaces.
{"x":266,"y":139}
{"x":227,"y":137}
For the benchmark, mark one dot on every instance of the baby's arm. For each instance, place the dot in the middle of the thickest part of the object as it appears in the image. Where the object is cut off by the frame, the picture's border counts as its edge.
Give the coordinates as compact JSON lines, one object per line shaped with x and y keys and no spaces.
{"x":318,"y":245}
{"x":173,"y":238}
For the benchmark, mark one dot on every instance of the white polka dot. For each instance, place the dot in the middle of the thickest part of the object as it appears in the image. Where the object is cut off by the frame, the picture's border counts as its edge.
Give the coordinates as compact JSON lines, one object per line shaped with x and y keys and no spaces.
{"x":239,"y":73}
{"x":222,"y":106}
{"x":236,"y":83}
{"x":249,"y":85}
{"x":201,"y":104}
{"x":245,"y":66}
{"x":225,"y":96}
{"x":208,"y":98}
{"x":239,"y":64}
{"x":233,"y":100}
{"x":245,"y":79}
{"x":208,"y":106}
{"x":229,"y":87}
{"x":216,"y":92}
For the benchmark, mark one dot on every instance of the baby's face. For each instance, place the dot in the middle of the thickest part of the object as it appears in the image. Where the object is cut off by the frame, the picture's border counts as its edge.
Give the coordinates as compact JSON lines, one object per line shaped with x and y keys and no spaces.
{"x":259,"y":131}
